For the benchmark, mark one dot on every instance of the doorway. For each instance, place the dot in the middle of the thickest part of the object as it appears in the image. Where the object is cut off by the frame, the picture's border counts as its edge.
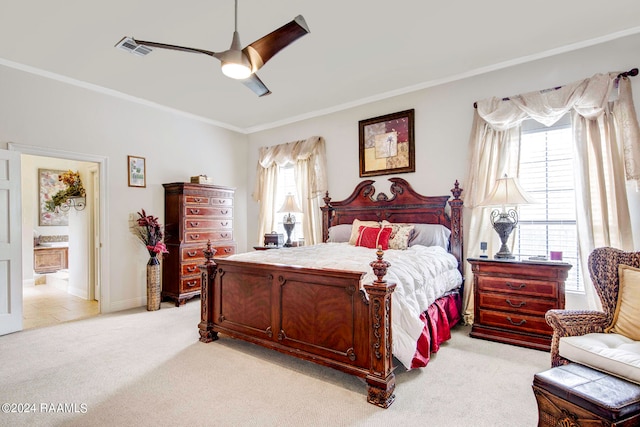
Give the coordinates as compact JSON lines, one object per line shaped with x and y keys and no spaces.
{"x":76,"y":291}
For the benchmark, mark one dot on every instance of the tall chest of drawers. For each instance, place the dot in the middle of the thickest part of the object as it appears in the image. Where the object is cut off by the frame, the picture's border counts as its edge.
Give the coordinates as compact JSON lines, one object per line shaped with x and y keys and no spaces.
{"x":511,"y":298}
{"x":194,"y":214}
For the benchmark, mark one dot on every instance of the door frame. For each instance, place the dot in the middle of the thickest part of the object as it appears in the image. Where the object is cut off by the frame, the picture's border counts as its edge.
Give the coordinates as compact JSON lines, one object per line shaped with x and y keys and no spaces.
{"x":103,"y":228}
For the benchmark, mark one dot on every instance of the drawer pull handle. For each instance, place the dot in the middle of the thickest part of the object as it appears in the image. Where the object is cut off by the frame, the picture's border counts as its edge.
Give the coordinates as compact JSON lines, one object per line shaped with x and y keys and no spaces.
{"x":194,"y":223}
{"x":224,"y":235}
{"x":228,"y":250}
{"x":195,"y":236}
{"x":224,"y":224}
{"x":520,"y":323}
{"x":222,"y":201}
{"x":194,"y":253}
{"x":225,"y":212}
{"x":197,"y":199}
{"x":512,"y":286}
{"x":522,"y":303}
{"x":192,"y":283}
{"x":194,"y":211}
{"x":191,"y":269}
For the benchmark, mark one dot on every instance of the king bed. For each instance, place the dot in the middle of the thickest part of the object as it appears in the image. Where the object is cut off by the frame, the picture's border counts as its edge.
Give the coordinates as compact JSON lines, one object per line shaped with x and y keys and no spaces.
{"x":340,"y":311}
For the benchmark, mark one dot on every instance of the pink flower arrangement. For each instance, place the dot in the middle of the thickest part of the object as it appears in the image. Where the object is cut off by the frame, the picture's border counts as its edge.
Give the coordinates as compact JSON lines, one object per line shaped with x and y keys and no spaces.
{"x":149,"y":231}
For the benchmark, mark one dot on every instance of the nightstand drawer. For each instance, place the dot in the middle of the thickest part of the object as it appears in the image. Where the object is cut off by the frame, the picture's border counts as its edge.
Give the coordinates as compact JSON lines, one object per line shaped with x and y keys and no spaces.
{"x":516,"y":303}
{"x":515,"y":285}
{"x":515,"y":322}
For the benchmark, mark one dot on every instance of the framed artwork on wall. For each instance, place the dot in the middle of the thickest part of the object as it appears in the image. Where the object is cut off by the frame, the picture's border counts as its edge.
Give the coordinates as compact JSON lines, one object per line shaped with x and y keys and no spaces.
{"x":137,"y":171}
{"x":387,"y":144}
{"x":49,"y":185}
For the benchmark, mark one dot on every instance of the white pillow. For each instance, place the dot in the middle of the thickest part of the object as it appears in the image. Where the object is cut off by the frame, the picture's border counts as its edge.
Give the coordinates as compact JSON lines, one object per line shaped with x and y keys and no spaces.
{"x":430,"y":235}
{"x":339,"y":233}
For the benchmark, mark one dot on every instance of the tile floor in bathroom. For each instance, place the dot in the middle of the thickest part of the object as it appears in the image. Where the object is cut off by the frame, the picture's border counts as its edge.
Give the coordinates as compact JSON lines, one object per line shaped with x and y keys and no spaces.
{"x":45,"y":305}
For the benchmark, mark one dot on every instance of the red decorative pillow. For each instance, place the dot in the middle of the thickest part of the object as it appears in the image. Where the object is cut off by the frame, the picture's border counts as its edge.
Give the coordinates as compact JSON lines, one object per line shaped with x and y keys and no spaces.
{"x":372,"y":237}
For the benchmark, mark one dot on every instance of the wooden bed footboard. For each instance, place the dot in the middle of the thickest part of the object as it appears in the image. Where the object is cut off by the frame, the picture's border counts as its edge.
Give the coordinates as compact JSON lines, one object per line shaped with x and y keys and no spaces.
{"x":318,"y":315}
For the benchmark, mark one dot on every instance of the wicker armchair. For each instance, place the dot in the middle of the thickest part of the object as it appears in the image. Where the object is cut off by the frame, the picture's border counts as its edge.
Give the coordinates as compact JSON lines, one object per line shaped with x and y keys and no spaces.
{"x":603,"y":267}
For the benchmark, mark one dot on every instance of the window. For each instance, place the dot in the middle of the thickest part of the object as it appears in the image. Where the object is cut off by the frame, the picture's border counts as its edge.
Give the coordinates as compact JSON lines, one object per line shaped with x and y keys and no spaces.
{"x":546,"y":173}
{"x":286,"y":185}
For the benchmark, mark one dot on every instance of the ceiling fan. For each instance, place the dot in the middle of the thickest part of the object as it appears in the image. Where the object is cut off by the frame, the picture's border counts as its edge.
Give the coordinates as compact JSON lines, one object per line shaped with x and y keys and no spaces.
{"x":237,"y":62}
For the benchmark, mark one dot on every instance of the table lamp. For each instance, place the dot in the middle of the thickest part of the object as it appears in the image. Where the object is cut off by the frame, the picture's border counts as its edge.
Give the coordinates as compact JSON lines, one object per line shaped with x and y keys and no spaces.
{"x":506,"y":193}
{"x":289,"y":207}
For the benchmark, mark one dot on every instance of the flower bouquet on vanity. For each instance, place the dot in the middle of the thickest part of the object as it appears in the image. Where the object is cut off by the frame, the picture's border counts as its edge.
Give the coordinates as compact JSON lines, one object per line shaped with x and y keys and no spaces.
{"x":149,"y":232}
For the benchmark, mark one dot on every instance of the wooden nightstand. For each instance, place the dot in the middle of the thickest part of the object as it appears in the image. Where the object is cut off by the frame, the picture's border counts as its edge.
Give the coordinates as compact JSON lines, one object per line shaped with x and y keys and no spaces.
{"x":511,"y":298}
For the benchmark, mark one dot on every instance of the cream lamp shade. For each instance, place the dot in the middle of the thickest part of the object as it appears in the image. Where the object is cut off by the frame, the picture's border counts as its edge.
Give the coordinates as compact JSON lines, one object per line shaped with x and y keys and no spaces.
{"x":290,"y":205}
{"x":506,"y":193}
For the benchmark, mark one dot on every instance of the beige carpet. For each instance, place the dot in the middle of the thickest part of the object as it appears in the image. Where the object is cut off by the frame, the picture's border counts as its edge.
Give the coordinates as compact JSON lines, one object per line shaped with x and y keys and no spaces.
{"x":138,"y":368}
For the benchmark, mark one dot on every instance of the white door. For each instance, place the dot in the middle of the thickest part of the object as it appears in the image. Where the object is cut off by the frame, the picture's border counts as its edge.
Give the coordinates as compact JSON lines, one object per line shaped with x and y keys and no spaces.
{"x":10,"y":243}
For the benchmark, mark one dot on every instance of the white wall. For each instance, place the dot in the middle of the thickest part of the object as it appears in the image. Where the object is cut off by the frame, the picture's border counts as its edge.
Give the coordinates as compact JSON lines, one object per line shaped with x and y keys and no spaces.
{"x":443,"y":118}
{"x":40,"y":112}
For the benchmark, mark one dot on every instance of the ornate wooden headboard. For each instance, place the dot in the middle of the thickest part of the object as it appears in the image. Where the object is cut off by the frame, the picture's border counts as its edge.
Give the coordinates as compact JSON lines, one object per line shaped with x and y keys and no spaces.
{"x":404,"y":205}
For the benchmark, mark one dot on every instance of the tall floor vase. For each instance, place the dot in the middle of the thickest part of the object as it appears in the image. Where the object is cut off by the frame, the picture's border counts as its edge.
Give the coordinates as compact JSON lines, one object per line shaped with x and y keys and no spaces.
{"x":153,"y":283}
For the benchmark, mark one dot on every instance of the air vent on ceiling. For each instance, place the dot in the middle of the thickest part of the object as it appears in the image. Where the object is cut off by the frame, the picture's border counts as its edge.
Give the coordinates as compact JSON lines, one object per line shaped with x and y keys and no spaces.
{"x":128,"y":44}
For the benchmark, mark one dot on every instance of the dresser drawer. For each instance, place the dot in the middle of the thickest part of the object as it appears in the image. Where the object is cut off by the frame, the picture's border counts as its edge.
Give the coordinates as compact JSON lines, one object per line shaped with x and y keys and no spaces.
{"x":515,"y":285}
{"x":221,"y":201}
{"x":192,"y":253}
{"x":516,"y":303}
{"x":191,"y":268}
{"x":225,"y":251}
{"x":189,"y":284}
{"x":196,"y":200}
{"x":196,"y":211}
{"x":514,"y":321}
{"x":208,"y":224}
{"x":196,"y":253}
{"x":205,"y":236}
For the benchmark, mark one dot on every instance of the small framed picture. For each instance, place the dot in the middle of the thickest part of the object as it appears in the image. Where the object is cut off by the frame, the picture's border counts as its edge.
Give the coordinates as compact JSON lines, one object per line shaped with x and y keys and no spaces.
{"x":387,"y":144}
{"x":137,"y":171}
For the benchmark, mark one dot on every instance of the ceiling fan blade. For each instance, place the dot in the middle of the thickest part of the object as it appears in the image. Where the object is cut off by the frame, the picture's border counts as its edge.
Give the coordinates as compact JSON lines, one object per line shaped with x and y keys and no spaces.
{"x":173,"y":47}
{"x":263,"y":49}
{"x":254,"y":83}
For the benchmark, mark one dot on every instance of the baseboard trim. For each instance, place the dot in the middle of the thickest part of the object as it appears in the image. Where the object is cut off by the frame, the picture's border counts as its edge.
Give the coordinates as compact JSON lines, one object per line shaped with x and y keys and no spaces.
{"x":127,"y":304}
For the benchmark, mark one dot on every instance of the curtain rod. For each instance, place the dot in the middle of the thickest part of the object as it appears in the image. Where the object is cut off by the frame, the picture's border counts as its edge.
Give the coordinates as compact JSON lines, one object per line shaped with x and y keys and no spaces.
{"x":631,"y":73}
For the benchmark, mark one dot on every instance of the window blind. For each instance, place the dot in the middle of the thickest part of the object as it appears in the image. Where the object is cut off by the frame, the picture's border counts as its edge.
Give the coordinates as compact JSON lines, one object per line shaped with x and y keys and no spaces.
{"x":546,"y":173}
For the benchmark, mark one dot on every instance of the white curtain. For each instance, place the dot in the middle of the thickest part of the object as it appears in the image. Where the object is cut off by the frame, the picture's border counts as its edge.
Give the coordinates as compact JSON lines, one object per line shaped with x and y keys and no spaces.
{"x":607,"y":150}
{"x":310,"y":164}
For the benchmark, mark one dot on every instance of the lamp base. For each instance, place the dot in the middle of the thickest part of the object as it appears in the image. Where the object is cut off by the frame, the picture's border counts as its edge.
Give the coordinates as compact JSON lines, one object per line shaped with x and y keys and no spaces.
{"x":504,"y":223}
{"x":288,"y":227}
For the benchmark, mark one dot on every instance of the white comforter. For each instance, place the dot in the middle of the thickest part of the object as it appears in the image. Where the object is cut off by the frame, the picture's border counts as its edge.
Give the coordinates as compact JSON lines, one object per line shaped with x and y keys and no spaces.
{"x":422,"y":274}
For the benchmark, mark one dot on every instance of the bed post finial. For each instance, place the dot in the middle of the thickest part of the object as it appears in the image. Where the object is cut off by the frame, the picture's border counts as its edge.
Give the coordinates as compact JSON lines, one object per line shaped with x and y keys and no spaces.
{"x":381,"y":379}
{"x":456,"y":190}
{"x":326,"y":199}
{"x":380,"y":266}
{"x":208,"y":269}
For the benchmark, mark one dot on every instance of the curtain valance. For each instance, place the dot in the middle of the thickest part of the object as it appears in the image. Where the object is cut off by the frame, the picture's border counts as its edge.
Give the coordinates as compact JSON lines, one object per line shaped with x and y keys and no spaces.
{"x":588,"y":97}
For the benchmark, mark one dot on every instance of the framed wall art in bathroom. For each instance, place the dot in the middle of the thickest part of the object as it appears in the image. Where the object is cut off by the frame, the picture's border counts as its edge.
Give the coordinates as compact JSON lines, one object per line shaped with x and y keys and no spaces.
{"x":49,"y":185}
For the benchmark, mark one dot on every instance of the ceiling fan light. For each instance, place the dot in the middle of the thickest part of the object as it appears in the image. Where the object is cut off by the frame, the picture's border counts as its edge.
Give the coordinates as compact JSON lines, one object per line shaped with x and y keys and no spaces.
{"x":235,"y":71}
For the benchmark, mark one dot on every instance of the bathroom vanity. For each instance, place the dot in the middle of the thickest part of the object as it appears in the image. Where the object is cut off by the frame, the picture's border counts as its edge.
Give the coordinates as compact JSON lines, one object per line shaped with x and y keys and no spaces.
{"x":50,"y":259}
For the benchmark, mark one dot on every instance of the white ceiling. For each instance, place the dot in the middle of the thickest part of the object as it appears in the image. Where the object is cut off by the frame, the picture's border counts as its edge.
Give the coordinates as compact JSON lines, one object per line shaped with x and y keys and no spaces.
{"x":357,"y":51}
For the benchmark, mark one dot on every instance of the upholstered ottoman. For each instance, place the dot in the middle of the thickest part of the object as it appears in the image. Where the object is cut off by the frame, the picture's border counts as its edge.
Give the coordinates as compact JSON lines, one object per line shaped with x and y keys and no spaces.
{"x":574,"y":395}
